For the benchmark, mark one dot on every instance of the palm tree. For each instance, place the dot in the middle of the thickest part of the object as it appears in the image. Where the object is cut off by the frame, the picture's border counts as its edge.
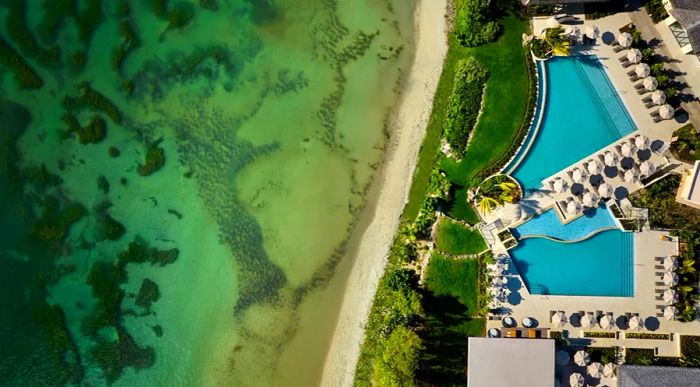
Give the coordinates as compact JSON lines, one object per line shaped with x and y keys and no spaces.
{"x":556,"y":39}
{"x":487,"y":204}
{"x":509,"y":191}
{"x":687,"y":267}
{"x":684,"y":289}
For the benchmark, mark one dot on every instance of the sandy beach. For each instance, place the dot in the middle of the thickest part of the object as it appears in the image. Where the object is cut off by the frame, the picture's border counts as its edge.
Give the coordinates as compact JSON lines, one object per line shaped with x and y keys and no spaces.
{"x":408,"y":130}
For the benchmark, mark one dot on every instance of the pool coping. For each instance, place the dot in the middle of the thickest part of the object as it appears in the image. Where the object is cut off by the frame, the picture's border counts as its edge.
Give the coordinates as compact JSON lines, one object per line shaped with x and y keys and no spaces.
{"x":559,"y":240}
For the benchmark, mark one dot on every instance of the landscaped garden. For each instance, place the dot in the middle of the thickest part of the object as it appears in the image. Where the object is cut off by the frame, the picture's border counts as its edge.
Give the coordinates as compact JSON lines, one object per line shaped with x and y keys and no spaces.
{"x":687,"y":146}
{"x":456,"y":239}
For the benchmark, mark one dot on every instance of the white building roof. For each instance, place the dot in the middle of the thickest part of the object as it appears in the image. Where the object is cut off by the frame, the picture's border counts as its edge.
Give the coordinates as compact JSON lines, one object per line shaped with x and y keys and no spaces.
{"x":500,"y":362}
{"x":691,"y":188}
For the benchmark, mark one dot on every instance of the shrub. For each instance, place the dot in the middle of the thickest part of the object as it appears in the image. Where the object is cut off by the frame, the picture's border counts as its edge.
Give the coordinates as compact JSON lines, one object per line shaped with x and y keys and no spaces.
{"x":655,"y":9}
{"x":639,"y":356}
{"x":687,"y":146}
{"x":690,"y":350}
{"x":465,"y":103}
{"x":399,"y":359}
{"x":472,"y":25}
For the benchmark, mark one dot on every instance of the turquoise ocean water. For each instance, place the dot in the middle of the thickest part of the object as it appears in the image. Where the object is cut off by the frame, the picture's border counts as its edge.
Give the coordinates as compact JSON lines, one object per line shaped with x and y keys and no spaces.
{"x":179,"y":181}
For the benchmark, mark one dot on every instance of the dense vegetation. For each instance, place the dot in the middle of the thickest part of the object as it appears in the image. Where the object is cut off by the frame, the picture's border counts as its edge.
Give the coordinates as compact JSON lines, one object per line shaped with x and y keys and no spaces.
{"x":456,"y":239}
{"x":656,"y":9}
{"x":465,"y":103}
{"x":597,"y":10}
{"x":454,"y":277}
{"x":473,"y":23}
{"x":687,"y":146}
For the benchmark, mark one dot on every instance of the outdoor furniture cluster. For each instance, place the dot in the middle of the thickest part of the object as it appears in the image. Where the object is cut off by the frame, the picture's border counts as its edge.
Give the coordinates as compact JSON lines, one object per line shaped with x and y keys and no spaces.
{"x":667,"y":277}
{"x":500,"y":276}
{"x":583,"y":186}
{"x":581,"y":367}
{"x":511,"y":330}
{"x":603,"y":320}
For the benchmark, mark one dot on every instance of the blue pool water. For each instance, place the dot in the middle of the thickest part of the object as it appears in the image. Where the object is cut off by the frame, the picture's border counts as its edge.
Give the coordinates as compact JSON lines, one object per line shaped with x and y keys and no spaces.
{"x":582,"y":114}
{"x":548,"y":224}
{"x":599,"y":266}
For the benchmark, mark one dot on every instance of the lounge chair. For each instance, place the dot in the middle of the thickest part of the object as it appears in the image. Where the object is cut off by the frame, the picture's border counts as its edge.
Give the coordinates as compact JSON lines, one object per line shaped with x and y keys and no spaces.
{"x":627,"y":64}
{"x":657,"y":119}
{"x":532,"y":334}
{"x":618,"y":48}
{"x":631,"y":73}
{"x":649,"y":105}
{"x":659,"y":283}
{"x":639,"y":85}
{"x":655,"y":113}
{"x":646,"y":99}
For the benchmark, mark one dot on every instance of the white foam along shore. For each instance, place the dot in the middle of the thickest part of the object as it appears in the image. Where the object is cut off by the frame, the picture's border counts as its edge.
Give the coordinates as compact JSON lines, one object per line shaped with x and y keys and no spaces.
{"x":408,"y":131}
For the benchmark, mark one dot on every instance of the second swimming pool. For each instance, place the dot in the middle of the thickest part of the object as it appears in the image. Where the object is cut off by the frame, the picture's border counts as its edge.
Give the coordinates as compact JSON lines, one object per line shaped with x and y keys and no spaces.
{"x":582,"y":114}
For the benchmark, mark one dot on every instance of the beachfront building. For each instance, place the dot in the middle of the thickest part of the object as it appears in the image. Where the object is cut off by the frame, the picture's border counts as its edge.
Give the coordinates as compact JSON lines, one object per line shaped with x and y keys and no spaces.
{"x":684,"y":22}
{"x":510,"y":363}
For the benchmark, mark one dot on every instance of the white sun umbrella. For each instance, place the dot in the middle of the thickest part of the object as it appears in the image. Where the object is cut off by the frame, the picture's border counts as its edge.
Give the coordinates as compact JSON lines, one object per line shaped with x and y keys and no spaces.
{"x":595,"y":370}
{"x":578,"y":175}
{"x":582,"y":358}
{"x":670,"y":296}
{"x":624,"y":39}
{"x":590,"y":199}
{"x":606,"y":322}
{"x":650,"y":83}
{"x":594,"y":167}
{"x":568,"y":30}
{"x":666,"y":111}
{"x":642,"y":70}
{"x":670,"y":278}
{"x":627,"y":149}
{"x":592,"y":32}
{"x":552,"y":23}
{"x":670,"y":312}
{"x":610,"y":158}
{"x":634,"y":55}
{"x":630,"y":175}
{"x":635,"y":323}
{"x":587,"y":321}
{"x":670,"y":263}
{"x":658,"y":97}
{"x":572,"y":207}
{"x":641,"y":141}
{"x":605,"y":190}
{"x":609,"y":370}
{"x":647,"y":168}
{"x":562,"y":358}
{"x":559,"y":319}
{"x":560,"y":185}
{"x":576,"y":380}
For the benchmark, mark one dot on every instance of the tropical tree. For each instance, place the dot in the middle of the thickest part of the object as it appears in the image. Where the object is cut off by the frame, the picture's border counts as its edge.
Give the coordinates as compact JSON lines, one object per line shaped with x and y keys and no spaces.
{"x":509,"y":191}
{"x":687,"y":267}
{"x":488,"y":204}
{"x":558,"y":41}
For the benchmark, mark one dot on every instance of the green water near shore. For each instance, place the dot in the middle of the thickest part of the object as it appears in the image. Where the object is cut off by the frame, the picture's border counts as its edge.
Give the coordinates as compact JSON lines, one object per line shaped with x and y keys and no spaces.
{"x":271,"y":120}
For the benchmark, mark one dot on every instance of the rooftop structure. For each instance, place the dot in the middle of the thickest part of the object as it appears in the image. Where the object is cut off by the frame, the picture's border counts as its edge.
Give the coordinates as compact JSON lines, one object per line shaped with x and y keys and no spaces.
{"x":689,"y":191}
{"x":497,"y":362}
{"x":653,"y":376}
{"x":685,"y":23}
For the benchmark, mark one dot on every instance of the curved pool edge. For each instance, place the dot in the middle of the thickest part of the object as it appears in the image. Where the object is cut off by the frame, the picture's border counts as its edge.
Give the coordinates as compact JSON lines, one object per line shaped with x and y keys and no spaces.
{"x":559,"y":240}
{"x":535,"y":124}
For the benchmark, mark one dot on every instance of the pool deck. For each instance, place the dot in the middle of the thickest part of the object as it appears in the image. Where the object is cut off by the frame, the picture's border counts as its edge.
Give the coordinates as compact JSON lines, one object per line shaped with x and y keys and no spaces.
{"x":648,"y":247}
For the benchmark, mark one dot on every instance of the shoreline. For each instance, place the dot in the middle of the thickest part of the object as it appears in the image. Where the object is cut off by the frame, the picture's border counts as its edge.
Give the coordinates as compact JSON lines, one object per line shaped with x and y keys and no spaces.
{"x":408,"y":128}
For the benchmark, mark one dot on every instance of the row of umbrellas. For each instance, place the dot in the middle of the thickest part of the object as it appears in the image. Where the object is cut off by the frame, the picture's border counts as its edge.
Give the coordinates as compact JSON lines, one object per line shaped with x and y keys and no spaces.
{"x":591,"y":31}
{"x":588,"y":320}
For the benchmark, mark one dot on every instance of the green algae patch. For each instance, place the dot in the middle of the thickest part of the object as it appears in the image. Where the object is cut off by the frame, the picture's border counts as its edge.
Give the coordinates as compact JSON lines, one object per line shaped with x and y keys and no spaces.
{"x":92,"y":99}
{"x":210,"y":5}
{"x":24,"y":38}
{"x":54,"y":223}
{"x":103,"y":184}
{"x":155,"y":159}
{"x":40,"y":178}
{"x":113,"y":152}
{"x":148,"y":294}
{"x":55,"y":13}
{"x":25,"y":76}
{"x":92,"y":133}
{"x":180,"y":15}
{"x":131,"y":42}
{"x":140,"y":252}
{"x":114,"y":356}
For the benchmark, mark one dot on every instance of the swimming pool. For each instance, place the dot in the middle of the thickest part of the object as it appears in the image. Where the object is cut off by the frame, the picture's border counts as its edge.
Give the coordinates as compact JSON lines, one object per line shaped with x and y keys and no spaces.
{"x":548,"y":224}
{"x":582,"y":113}
{"x":599,"y":266}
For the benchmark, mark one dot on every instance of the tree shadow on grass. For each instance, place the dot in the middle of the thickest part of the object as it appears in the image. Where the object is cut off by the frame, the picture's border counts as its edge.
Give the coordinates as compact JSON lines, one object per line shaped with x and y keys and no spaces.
{"x":447,"y":325}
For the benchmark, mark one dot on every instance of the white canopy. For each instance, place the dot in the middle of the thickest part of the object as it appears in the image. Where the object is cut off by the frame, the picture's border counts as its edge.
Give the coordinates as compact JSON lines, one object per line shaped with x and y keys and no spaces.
{"x":592,"y":32}
{"x":609,"y":370}
{"x":590,"y":199}
{"x":666,"y":112}
{"x":670,"y":296}
{"x":658,"y":97}
{"x":610,"y":158}
{"x":578,"y":175}
{"x":559,"y":319}
{"x":606,"y":322}
{"x":605,"y":190}
{"x":594,"y":167}
{"x":624,"y":39}
{"x":630,"y":175}
{"x":562,"y":358}
{"x":634,"y":55}
{"x":627,"y":149}
{"x":670,"y":312}
{"x":576,"y":380}
{"x":647,"y":168}
{"x":582,"y":358}
{"x":642,"y":70}
{"x":670,"y":278}
{"x":587,"y":321}
{"x":670,"y":263}
{"x":552,"y":23}
{"x":641,"y":141}
{"x":635,"y":323}
{"x":650,"y":83}
{"x":572,"y":207}
{"x":560,"y":185}
{"x":595,"y":370}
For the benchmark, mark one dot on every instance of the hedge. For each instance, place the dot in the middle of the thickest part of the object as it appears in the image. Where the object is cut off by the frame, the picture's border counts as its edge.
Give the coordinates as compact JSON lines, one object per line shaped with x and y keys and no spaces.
{"x":465,"y":103}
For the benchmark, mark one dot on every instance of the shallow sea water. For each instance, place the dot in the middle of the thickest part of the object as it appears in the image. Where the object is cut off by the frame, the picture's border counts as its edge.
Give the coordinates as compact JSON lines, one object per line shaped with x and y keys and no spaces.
{"x":271,"y":139}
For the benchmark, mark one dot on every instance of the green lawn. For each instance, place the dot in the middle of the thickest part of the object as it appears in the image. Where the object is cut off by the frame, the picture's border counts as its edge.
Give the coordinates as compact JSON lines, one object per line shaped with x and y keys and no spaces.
{"x":504,"y":105}
{"x":457,"y":278}
{"x":455,"y":238}
{"x":461,"y":209}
